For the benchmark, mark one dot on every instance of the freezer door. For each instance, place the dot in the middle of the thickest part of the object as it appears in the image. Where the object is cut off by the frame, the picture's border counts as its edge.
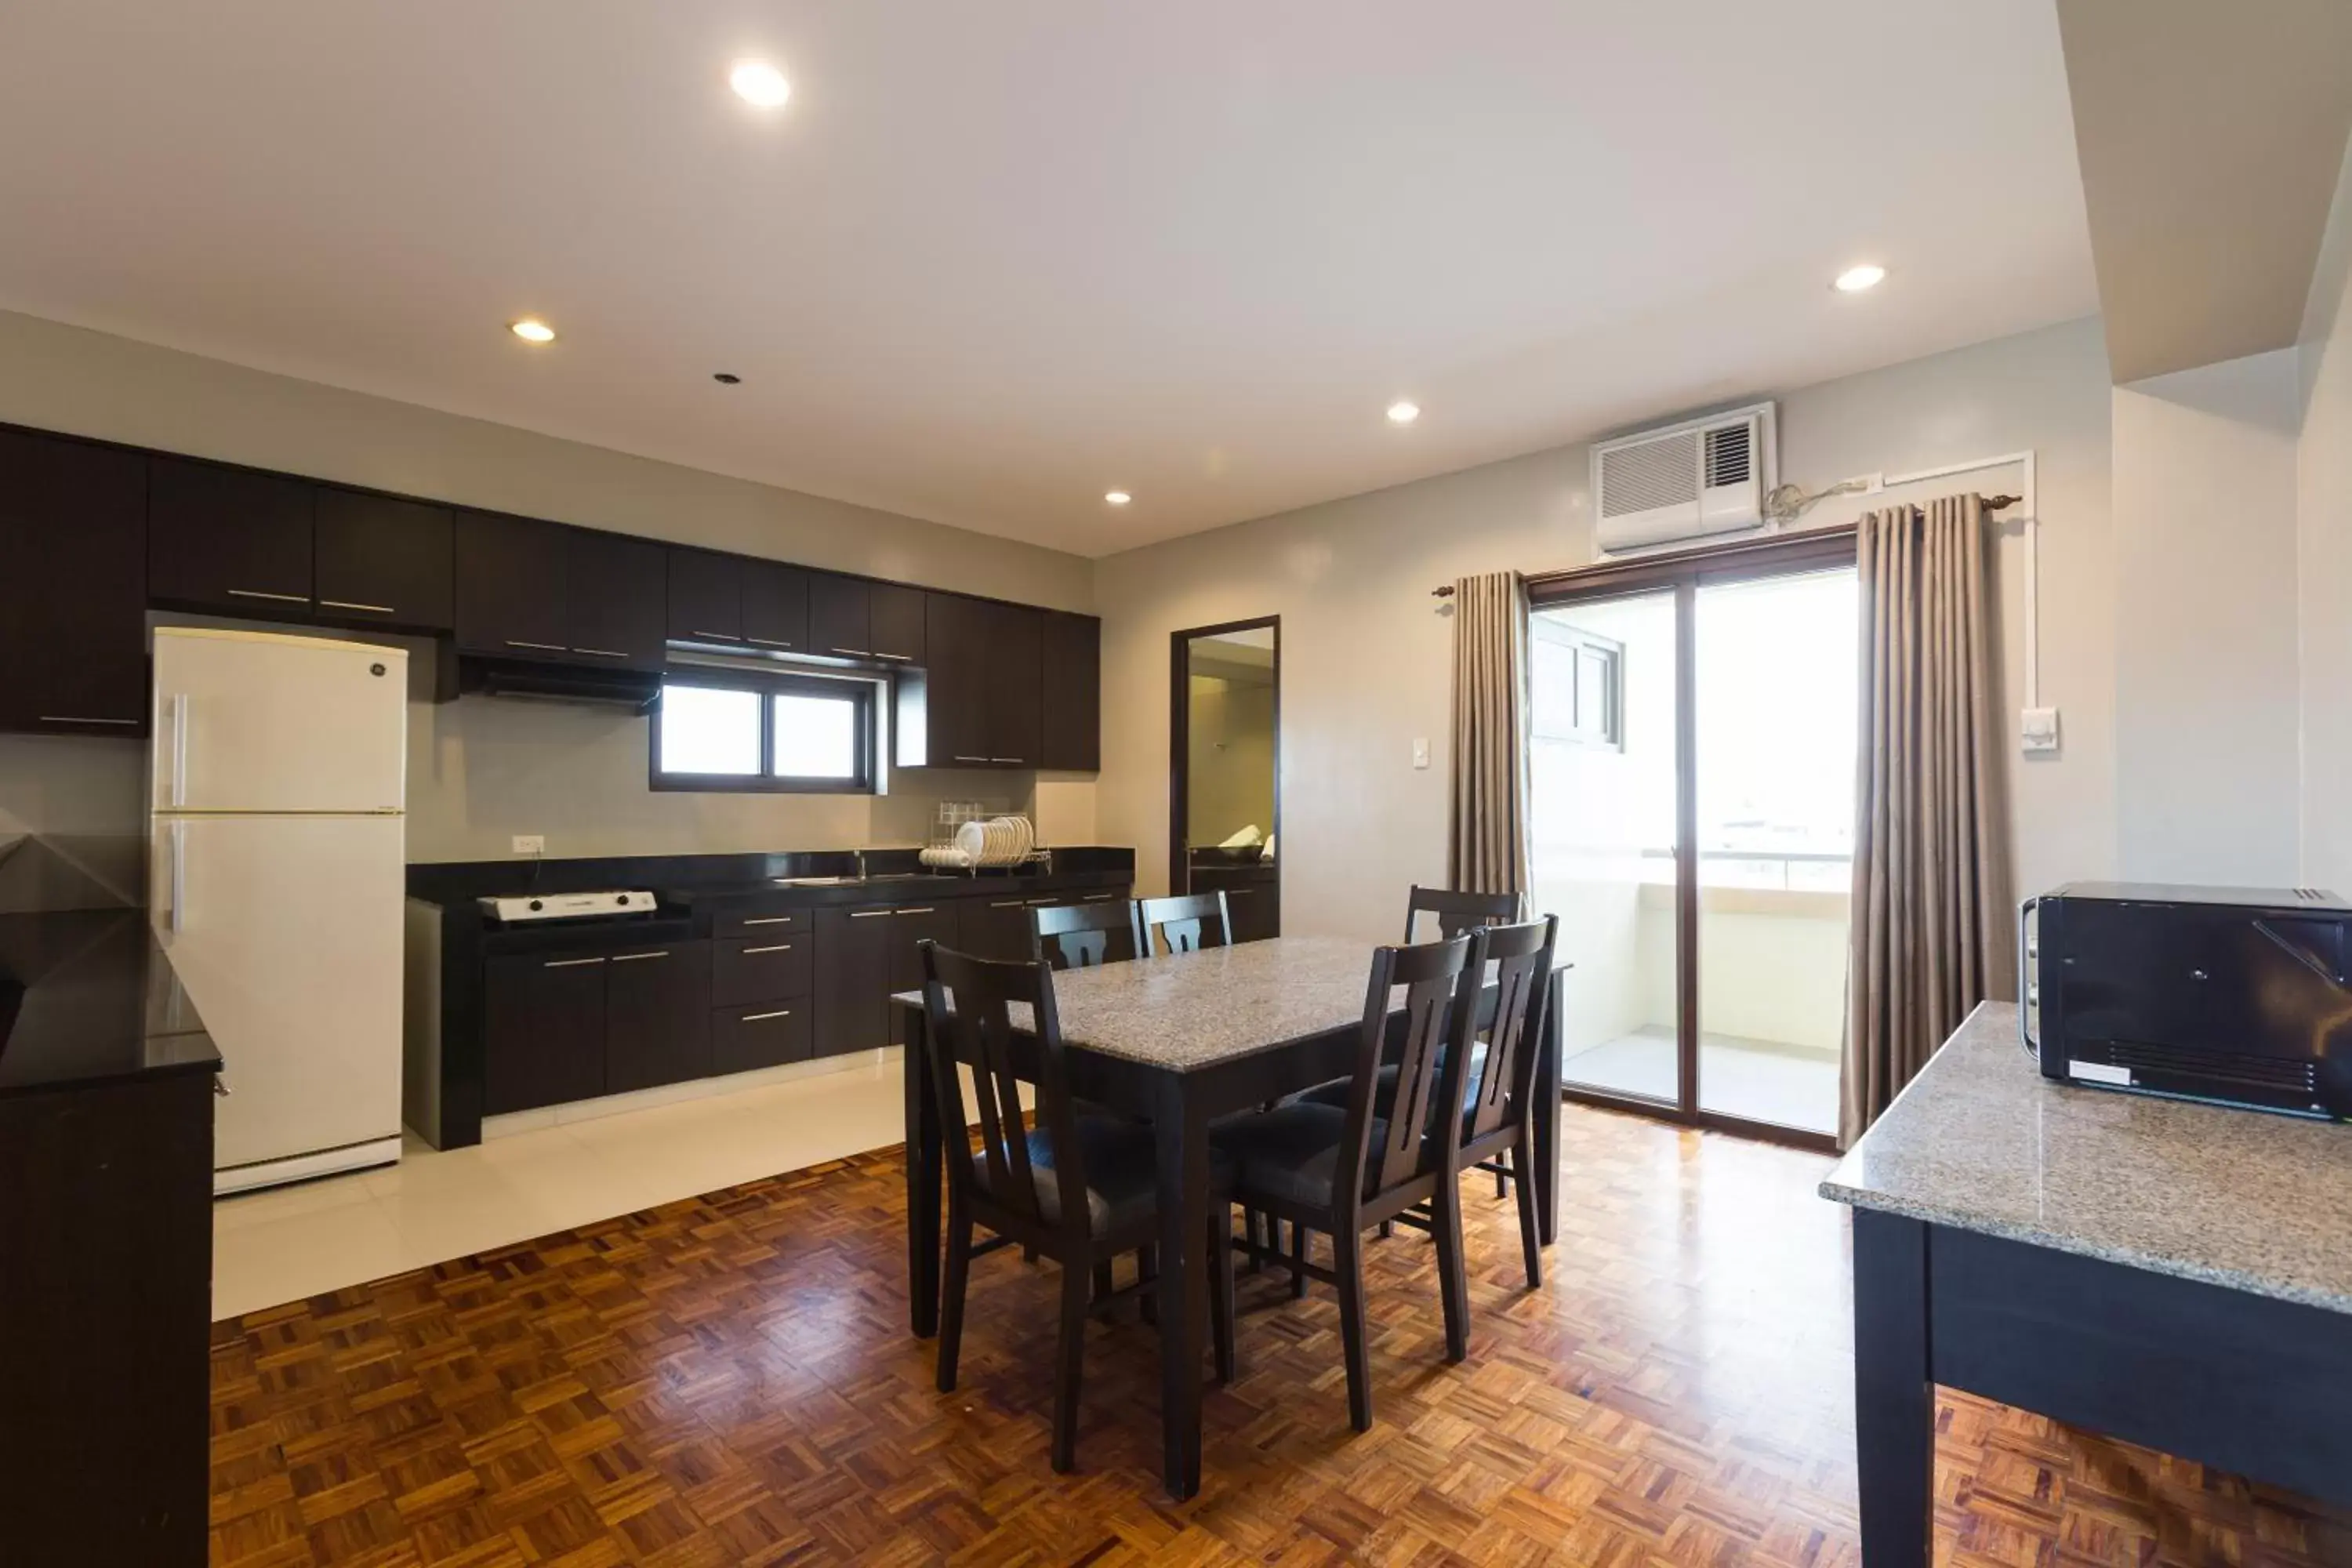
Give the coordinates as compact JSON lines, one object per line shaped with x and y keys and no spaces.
{"x":287,"y":933}
{"x":259,"y":721}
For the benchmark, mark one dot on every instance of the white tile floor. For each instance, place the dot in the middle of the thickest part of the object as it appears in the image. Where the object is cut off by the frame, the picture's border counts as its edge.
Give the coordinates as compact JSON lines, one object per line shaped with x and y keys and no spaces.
{"x":1762,"y":1080}
{"x":290,"y":1242}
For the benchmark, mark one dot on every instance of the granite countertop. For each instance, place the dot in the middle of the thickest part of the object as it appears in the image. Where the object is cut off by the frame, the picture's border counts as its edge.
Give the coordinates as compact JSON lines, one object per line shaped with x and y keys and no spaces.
{"x":1981,"y":1141}
{"x":1188,"y":1011}
{"x":87,"y":995}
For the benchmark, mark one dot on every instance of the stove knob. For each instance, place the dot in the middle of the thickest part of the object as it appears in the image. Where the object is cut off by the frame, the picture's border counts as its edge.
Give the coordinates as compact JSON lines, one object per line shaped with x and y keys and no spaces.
{"x":537,"y":904}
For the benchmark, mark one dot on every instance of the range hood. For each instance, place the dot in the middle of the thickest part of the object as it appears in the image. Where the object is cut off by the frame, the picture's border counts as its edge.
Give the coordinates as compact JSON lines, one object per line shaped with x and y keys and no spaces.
{"x":635,"y":690}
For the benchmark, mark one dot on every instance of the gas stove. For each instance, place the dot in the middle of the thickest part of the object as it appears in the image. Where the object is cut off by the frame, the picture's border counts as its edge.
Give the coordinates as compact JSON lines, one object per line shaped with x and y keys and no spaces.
{"x":523,"y":908}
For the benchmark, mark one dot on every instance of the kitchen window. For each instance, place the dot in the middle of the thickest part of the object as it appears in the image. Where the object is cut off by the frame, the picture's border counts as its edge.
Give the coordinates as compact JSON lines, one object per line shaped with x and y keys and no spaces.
{"x":783,"y":734}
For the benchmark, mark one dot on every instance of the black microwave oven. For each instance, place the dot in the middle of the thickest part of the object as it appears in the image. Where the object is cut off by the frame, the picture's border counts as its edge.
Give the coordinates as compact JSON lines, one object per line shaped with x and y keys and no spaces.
{"x":2236,"y":997}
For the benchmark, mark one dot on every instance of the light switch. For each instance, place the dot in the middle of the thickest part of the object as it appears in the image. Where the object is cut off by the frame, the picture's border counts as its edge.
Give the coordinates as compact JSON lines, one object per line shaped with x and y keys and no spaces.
{"x":2038,"y":730}
{"x":1421,"y":752}
{"x":530,"y":844}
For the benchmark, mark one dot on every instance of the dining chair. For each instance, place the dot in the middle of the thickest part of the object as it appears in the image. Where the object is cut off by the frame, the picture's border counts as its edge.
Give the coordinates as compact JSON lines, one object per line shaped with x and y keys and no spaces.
{"x":1347,"y":1171}
{"x":1081,"y":936}
{"x":1495,"y":1087}
{"x":1078,"y":1189}
{"x":1186,"y":923}
{"x":1458,"y":912}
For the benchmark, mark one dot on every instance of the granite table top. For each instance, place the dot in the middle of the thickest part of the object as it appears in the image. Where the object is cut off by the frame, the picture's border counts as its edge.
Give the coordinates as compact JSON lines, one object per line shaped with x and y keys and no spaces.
{"x":1193,"y":1010}
{"x":1981,"y":1141}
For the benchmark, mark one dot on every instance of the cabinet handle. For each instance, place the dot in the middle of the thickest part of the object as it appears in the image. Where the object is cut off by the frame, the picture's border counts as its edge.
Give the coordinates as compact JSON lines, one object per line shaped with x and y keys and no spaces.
{"x":541,"y":647}
{"x":870,"y":914}
{"x":769,"y":642}
{"x":569,"y":963}
{"x":274,"y":598}
{"x":722,"y":637}
{"x":633,"y":957}
{"x":1006,"y":904}
{"x":854,"y":652}
{"x":220,"y":1087}
{"x":762,"y":1017}
{"x":1007,"y":759}
{"x":926,"y":910}
{"x":901,"y":657}
{"x":1241,"y":893}
{"x":772,"y":947}
{"x":603,"y":652}
{"x":964,"y":758}
{"x":351,"y":605}
{"x":1043,"y":903}
{"x":1103,"y":898}
{"x":81,"y":718}
{"x":769,"y":921}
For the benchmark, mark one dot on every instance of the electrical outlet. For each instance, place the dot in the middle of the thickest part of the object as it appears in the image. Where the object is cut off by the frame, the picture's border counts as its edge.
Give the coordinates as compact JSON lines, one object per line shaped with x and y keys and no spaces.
{"x":1421,"y":752}
{"x":2037,"y":730}
{"x":530,"y":844}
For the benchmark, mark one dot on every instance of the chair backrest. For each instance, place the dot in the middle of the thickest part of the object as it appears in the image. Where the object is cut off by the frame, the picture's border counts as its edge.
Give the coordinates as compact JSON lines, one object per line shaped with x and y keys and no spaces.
{"x":1522,"y":958}
{"x":1458,"y":913}
{"x":1080,"y":936}
{"x":967,"y":1007}
{"x":1440,"y":981}
{"x":1185,"y":924}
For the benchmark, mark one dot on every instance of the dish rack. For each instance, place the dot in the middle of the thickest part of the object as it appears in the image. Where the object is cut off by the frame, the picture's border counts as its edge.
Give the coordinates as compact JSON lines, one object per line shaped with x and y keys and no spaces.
{"x":971,"y":836}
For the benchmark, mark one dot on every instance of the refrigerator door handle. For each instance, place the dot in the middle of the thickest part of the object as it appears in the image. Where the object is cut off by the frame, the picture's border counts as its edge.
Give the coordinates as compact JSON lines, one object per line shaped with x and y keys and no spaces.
{"x":179,"y":751}
{"x":179,"y":875}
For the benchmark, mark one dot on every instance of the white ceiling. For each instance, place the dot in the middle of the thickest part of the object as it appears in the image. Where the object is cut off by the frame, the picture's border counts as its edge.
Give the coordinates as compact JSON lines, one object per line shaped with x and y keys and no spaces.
{"x":994,"y":259}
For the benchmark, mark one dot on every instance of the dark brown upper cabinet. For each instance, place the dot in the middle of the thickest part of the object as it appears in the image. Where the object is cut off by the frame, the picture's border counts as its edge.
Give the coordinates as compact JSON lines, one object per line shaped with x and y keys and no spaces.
{"x":895,"y":622}
{"x":384,"y":561}
{"x":1072,"y":735}
{"x":73,"y":586}
{"x":616,"y":598}
{"x":775,"y":605}
{"x":509,"y":586}
{"x":1015,"y":700}
{"x":954,"y":689}
{"x":705,"y":595}
{"x":840,"y":617}
{"x":229,"y":539}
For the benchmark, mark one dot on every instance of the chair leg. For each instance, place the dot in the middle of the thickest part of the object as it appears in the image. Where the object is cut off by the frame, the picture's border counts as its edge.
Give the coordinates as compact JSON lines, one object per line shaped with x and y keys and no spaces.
{"x":1453,"y":1283}
{"x":1502,"y":1183}
{"x":1249,"y":1228}
{"x":958,"y":1276}
{"x":1147,"y":1269}
{"x":1220,"y":1288}
{"x":1388,"y":1229}
{"x":1530,"y":1242}
{"x":1028,"y":1255}
{"x":1103,"y":1282}
{"x":1347,"y":1262}
{"x":1069,"y":1352}
{"x":1297,"y":1255}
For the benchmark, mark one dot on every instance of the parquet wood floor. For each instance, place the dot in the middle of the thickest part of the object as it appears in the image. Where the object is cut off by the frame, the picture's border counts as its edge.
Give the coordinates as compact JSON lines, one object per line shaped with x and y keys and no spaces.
{"x":729,"y":1380}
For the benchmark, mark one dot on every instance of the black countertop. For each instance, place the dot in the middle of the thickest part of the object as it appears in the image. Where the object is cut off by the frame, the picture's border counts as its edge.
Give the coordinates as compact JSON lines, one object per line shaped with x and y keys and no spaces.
{"x":87,"y":995}
{"x":686,"y":880}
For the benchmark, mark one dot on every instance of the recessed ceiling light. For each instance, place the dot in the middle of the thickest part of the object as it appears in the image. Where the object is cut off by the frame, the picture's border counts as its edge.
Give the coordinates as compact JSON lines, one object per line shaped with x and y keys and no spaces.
{"x":758,"y":83}
{"x":1116,"y":498}
{"x":532,"y":329}
{"x":1401,"y":412}
{"x":1854,"y":279}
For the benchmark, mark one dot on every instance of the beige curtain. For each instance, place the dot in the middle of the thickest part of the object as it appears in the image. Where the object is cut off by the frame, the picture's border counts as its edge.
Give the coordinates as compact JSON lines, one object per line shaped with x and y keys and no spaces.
{"x":1487,"y":812}
{"x":1931,"y":910}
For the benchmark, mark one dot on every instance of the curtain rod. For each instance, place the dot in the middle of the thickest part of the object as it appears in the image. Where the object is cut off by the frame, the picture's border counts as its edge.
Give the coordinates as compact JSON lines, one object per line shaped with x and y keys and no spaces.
{"x":1714,"y":552}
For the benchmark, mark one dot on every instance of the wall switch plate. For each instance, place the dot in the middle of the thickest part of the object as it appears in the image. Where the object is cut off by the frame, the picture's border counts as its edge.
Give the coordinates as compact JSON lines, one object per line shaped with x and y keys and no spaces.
{"x":1421,"y":752}
{"x":530,"y":844}
{"x":2038,"y":730}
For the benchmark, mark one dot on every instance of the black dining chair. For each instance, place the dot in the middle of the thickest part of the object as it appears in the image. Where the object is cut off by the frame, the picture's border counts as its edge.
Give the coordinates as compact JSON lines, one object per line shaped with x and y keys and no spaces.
{"x":1186,"y":923}
{"x":1495,"y":1089}
{"x":1080,"y":936}
{"x":1346,"y":1171}
{"x":1078,"y":1189}
{"x":1458,"y":912}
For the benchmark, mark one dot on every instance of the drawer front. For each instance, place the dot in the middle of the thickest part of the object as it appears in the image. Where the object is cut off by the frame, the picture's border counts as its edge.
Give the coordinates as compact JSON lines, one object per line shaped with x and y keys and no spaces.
{"x":770,"y":968}
{"x":763,"y":1035}
{"x":769,"y":925}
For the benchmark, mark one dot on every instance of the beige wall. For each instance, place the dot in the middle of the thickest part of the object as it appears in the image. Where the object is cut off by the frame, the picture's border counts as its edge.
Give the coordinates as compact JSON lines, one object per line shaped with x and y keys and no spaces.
{"x":1366,"y":650}
{"x":482,"y":769}
{"x":2324,"y":518}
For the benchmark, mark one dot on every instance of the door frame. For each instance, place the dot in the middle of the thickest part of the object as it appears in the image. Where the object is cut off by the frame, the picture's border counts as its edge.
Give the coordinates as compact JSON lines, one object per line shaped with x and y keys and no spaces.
{"x":1180,"y":748}
{"x":1685,"y":572}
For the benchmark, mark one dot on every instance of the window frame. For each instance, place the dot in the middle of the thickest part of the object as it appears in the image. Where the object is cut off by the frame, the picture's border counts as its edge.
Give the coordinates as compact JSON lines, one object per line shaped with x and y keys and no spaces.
{"x":863,"y":696}
{"x":1609,"y":734}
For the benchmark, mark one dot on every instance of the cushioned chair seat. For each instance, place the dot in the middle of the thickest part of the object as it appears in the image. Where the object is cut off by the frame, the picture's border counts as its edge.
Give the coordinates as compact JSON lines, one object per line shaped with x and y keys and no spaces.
{"x":1291,"y":1152}
{"x":1122,"y":1172}
{"x":1336,"y":1092}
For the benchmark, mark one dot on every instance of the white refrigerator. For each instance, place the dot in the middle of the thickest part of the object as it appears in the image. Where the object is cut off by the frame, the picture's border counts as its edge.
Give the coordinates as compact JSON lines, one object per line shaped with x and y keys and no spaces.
{"x":277,"y":878}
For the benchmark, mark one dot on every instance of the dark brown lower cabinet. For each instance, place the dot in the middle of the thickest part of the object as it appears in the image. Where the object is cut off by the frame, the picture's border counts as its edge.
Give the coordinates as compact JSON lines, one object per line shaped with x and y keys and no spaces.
{"x":543,"y":1030}
{"x":1252,"y":896}
{"x":107,"y":1234}
{"x":994,"y":927}
{"x":762,"y":1035}
{"x":853,"y":979}
{"x":656,"y":1017}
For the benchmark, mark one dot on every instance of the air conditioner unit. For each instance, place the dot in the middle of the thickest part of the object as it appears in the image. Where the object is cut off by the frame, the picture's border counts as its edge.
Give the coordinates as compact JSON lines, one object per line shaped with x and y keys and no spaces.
{"x":1697,"y":479}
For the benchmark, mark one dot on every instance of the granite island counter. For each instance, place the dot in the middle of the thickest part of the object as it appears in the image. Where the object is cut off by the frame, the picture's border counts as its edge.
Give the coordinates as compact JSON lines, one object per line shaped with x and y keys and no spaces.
{"x":2173,"y":1274}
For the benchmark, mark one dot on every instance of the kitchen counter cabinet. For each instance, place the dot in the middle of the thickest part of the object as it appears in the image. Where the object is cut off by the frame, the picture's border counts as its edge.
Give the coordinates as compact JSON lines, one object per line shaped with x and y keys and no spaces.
{"x":233,"y":539}
{"x":656,"y":1016}
{"x":840,"y":617}
{"x":73,"y":599}
{"x":853,"y":979}
{"x":544,"y":1030}
{"x":380,"y":560}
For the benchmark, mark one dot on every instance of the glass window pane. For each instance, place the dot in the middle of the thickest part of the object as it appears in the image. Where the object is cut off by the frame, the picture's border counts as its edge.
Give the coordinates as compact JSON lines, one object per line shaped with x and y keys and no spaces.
{"x":708,"y":731}
{"x":816,"y":738}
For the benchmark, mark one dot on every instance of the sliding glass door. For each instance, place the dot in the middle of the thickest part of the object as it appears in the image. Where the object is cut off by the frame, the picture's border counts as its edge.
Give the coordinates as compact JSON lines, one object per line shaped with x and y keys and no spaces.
{"x":1693,"y":758}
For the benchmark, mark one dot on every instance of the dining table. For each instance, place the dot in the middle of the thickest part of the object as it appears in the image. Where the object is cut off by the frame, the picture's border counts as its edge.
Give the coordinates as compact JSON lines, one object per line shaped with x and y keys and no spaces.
{"x":1179,"y":1040}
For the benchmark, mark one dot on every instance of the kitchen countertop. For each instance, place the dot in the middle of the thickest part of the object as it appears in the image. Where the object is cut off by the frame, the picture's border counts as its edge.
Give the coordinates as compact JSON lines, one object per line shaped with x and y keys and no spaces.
{"x":1981,"y":1141}
{"x":87,"y":995}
